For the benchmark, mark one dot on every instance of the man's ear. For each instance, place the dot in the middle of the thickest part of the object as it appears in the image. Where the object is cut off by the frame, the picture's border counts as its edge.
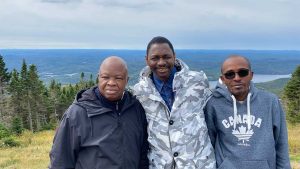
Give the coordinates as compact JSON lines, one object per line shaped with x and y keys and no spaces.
{"x":222,"y":78}
{"x":251,"y":74}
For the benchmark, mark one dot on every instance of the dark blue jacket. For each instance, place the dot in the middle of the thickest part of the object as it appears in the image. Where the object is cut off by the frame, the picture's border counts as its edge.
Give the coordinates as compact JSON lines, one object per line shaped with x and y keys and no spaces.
{"x":98,"y":134}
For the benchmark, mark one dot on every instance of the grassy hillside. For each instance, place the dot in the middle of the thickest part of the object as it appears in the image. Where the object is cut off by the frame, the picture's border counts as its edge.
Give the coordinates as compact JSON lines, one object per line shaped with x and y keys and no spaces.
{"x":34,"y":150}
{"x":275,"y":86}
{"x":32,"y":154}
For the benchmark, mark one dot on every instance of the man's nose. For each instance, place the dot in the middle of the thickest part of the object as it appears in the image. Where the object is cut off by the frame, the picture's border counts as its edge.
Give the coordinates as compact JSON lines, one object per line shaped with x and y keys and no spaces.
{"x":161,"y":61}
{"x":111,"y":81}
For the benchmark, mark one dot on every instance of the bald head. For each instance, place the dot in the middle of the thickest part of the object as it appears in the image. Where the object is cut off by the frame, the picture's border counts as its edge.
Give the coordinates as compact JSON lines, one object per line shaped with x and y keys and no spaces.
{"x":113,"y":78}
{"x":237,"y":76}
{"x":235,"y":57}
{"x":114,"y":61}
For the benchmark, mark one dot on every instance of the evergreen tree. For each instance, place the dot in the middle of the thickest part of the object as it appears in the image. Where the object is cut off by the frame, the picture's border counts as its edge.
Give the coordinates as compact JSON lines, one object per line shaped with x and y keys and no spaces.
{"x":4,"y":79}
{"x":26,"y":114}
{"x":28,"y":97}
{"x":37,"y":103}
{"x":15,"y":90}
{"x":91,"y":81}
{"x":292,"y":97}
{"x":54,"y":92}
{"x":4,"y":76}
{"x":16,"y":126}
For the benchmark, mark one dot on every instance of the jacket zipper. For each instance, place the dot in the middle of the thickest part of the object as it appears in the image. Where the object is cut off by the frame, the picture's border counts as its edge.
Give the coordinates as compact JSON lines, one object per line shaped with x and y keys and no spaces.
{"x":117,"y":110}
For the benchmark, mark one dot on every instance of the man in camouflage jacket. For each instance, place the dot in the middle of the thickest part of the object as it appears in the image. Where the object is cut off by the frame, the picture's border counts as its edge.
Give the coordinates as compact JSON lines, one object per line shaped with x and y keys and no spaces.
{"x":177,"y":135}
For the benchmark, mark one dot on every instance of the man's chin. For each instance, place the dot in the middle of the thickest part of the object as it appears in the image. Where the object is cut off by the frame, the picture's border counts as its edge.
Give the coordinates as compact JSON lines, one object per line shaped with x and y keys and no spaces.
{"x":112,"y":97}
{"x":163,"y":75}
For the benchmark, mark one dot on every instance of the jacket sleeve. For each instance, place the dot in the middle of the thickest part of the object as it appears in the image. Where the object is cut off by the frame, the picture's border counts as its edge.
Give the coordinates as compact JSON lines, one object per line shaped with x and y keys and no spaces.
{"x":281,"y":138}
{"x":209,"y":118}
{"x":65,"y":145}
{"x":144,"y":161}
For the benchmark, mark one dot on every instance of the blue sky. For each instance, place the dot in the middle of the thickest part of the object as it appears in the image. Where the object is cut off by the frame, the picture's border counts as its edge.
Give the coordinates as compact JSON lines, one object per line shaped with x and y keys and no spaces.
{"x":192,"y":24}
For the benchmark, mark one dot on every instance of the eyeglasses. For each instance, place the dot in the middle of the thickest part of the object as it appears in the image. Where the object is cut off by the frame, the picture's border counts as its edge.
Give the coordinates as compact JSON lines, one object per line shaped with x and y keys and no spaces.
{"x":231,"y":74}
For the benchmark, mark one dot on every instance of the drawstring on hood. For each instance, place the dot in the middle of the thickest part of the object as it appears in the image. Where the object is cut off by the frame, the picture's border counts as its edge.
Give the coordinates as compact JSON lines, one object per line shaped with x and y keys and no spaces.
{"x":248,"y":111}
{"x":222,"y":91}
{"x":235,"y":112}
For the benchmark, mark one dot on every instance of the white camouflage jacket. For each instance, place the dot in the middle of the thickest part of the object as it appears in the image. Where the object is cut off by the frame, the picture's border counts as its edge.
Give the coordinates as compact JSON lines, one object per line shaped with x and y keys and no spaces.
{"x":178,"y":139}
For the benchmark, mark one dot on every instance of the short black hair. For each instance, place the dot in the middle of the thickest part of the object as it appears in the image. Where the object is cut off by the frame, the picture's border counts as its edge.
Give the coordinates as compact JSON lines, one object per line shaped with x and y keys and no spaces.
{"x":159,"y":39}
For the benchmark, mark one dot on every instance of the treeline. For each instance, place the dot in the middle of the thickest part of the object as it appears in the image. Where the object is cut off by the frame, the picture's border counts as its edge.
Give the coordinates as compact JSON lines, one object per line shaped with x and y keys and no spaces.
{"x":26,"y":103}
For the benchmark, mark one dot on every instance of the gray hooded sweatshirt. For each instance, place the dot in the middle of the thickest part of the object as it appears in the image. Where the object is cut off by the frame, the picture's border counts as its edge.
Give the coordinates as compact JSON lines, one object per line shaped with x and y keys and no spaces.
{"x":247,"y":135}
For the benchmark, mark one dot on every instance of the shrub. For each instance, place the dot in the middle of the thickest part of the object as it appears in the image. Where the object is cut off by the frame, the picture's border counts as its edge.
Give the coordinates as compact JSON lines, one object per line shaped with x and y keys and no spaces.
{"x":16,"y":126}
{"x":49,"y":126}
{"x":4,"y":132}
{"x":9,"y":142}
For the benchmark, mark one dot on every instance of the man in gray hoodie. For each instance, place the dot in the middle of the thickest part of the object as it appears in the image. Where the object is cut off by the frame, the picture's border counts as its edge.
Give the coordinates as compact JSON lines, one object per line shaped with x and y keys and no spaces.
{"x":247,"y":126}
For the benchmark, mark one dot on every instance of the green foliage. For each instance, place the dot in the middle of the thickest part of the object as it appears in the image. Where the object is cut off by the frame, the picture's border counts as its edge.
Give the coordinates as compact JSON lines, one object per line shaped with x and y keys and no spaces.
{"x":50,"y":126}
{"x":4,"y":75}
{"x":275,"y":86}
{"x":4,"y":132}
{"x":34,"y":106}
{"x":16,"y":126}
{"x":4,"y":79}
{"x":9,"y":142}
{"x":292,"y":97}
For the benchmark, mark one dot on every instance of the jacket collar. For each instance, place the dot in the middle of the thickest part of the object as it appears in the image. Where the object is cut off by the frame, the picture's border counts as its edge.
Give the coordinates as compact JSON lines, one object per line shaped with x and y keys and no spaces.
{"x":98,"y":105}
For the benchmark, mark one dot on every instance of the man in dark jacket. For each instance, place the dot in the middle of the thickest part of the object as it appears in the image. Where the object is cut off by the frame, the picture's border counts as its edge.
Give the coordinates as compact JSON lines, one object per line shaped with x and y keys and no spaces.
{"x":104,"y":128}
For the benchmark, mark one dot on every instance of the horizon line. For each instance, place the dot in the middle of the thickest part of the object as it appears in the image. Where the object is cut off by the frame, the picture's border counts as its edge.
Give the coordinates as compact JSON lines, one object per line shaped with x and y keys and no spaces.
{"x":144,"y":49}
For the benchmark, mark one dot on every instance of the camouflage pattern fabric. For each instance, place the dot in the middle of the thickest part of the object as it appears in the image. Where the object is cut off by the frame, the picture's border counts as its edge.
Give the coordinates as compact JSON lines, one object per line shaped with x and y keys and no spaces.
{"x":178,"y":139}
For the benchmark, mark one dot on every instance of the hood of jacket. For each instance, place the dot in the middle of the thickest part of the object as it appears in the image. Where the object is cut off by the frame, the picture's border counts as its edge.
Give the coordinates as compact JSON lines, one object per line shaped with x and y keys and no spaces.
{"x":88,"y":100}
{"x":182,"y":78}
{"x":221,"y":90}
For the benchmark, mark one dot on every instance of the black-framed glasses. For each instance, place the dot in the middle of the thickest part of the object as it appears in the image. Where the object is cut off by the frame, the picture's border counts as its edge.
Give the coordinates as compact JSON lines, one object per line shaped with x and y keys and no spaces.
{"x":231,"y":74}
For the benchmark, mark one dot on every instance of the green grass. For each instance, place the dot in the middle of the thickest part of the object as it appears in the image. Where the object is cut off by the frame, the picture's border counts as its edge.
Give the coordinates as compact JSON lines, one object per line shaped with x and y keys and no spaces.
{"x":34,"y":150}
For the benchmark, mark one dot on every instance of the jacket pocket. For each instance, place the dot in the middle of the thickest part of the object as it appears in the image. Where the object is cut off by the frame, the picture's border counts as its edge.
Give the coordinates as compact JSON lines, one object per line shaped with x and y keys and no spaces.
{"x":244,"y":164}
{"x":253,"y":164}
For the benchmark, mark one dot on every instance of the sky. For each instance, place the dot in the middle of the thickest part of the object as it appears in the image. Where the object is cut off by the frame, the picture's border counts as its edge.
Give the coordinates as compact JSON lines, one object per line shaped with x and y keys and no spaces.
{"x":131,"y":24}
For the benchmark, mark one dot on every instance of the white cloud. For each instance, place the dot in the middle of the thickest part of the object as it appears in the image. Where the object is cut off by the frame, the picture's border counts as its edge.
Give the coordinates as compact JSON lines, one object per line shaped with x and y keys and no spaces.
{"x":131,"y":23}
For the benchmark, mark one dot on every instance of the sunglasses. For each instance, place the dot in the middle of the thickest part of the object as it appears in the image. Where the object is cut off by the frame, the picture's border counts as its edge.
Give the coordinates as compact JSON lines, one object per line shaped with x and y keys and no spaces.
{"x":231,"y":74}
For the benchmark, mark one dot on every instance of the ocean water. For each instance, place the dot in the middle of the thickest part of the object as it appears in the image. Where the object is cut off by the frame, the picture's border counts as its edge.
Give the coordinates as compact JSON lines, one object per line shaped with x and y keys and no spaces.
{"x":66,"y":65}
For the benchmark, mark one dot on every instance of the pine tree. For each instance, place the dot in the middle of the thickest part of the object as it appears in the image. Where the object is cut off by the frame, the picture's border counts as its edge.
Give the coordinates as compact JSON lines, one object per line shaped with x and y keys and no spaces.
{"x":15,"y":90}
{"x":4,"y":79}
{"x":26,"y":114}
{"x":4,"y":76}
{"x":54,"y":92}
{"x":292,"y":97}
{"x":16,"y":126}
{"x":37,"y":103}
{"x":91,"y":81}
